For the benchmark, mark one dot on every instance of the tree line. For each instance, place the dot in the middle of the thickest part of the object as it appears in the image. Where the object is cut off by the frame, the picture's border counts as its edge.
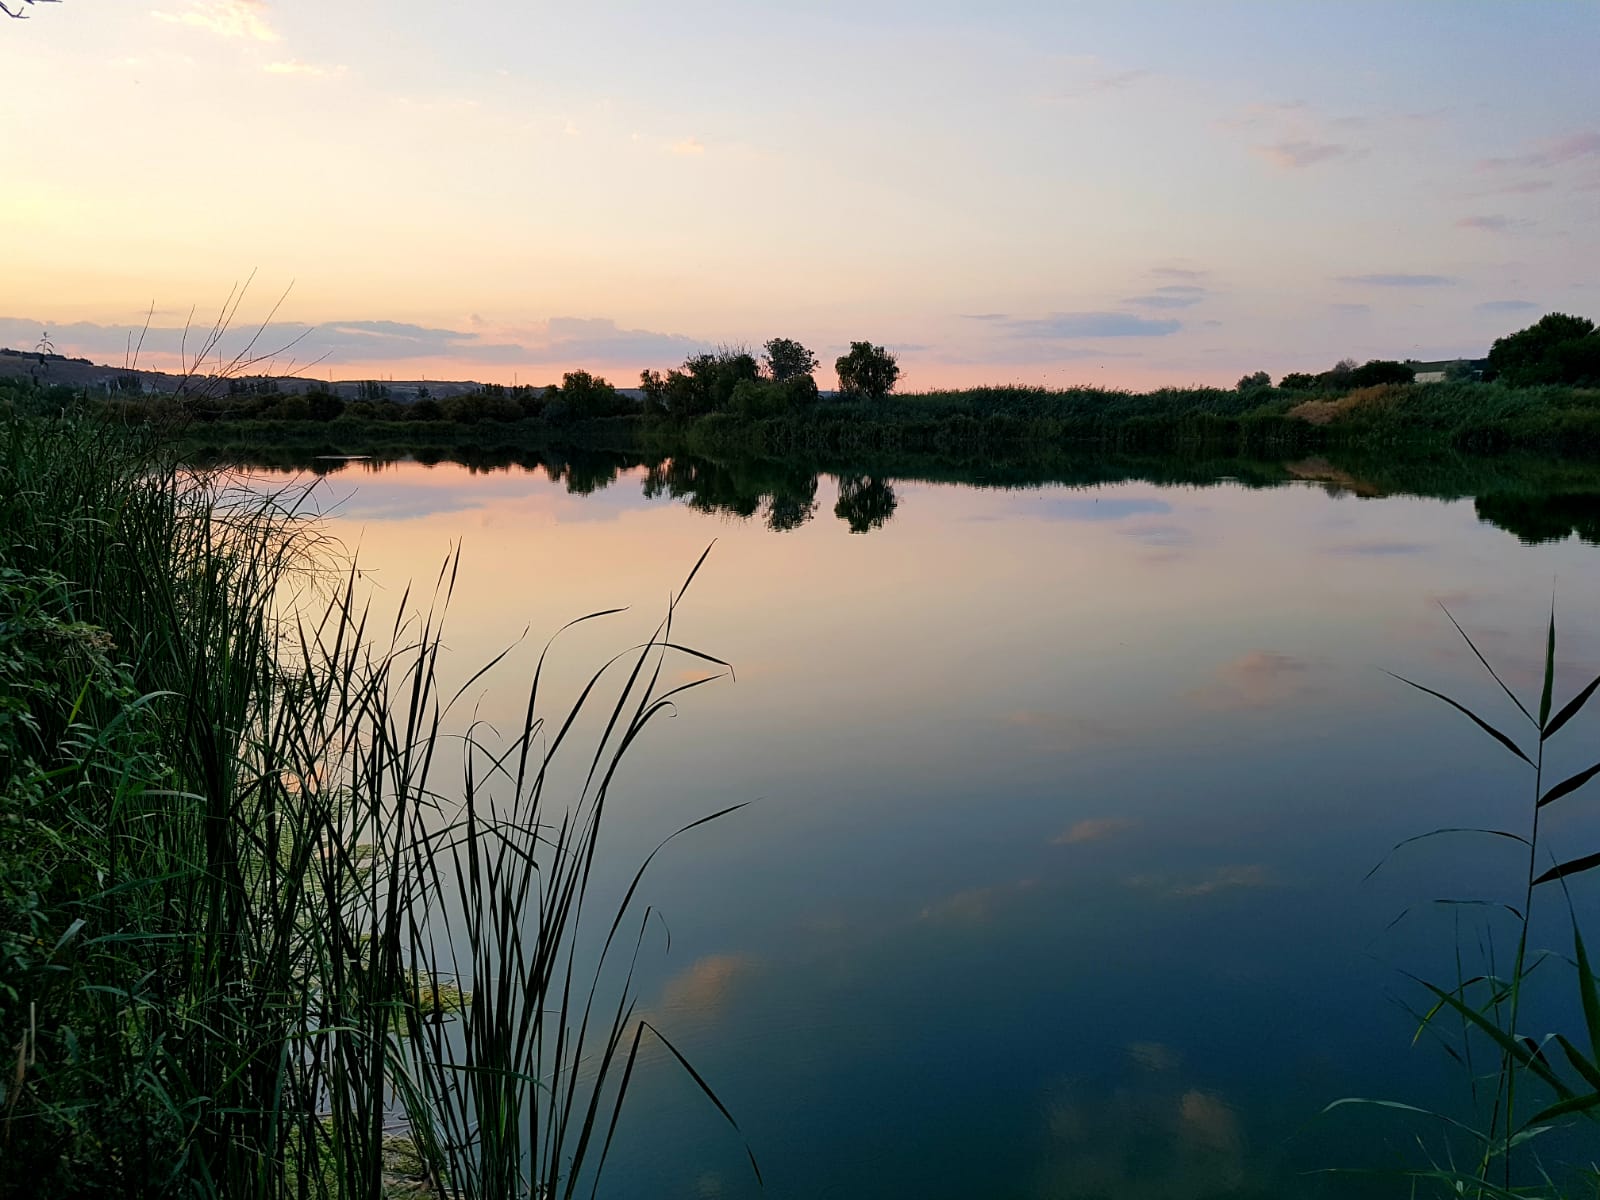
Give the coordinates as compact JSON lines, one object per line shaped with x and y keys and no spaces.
{"x":1557,"y":349}
{"x":732,"y":380}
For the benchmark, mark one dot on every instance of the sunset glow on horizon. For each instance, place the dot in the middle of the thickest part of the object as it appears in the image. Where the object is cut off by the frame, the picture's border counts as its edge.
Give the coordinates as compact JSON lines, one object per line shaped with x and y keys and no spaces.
{"x":1121,"y":194}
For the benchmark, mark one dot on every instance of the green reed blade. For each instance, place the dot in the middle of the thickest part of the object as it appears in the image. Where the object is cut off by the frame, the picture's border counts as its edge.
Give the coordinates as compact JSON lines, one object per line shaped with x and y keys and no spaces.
{"x":1567,"y":786}
{"x":1549,"y":670}
{"x":1516,"y":1049}
{"x":709,"y":1094}
{"x":1582,"y":1065}
{"x":1479,"y":721}
{"x":1585,"y":1104}
{"x":1493,"y":674}
{"x":1570,"y":709}
{"x":1588,"y":992}
{"x":1572,"y":867}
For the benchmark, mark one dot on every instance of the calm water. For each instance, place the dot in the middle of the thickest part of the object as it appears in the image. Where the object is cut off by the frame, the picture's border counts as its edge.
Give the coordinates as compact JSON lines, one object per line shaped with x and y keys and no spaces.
{"x":1061,"y":800}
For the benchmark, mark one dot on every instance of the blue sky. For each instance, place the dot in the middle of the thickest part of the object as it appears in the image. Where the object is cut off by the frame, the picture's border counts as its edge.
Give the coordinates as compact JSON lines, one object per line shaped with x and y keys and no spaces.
{"x":1128,"y":193}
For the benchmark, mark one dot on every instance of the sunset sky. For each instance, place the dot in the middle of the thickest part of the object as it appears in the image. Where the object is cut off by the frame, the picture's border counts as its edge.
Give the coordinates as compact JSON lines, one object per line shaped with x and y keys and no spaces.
{"x":1124,"y":193}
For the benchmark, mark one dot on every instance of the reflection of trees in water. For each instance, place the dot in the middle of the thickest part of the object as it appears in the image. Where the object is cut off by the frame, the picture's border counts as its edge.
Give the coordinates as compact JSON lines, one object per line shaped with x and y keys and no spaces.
{"x":784,"y":493}
{"x":1544,"y":518}
{"x":787,"y":493}
{"x":865,"y":502}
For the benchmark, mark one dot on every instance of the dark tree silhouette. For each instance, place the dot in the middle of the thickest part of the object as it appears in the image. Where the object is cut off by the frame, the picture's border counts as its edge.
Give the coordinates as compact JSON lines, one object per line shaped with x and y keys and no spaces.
{"x":868,"y":371}
{"x":1556,"y":349}
{"x":788,"y":359}
{"x":1381,"y":370}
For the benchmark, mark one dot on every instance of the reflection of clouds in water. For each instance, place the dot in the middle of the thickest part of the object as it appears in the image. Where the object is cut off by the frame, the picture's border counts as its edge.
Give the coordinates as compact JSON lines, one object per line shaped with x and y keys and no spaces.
{"x":704,"y":987}
{"x":1094,"y":508}
{"x":408,"y":491}
{"x":1160,"y":537}
{"x":1223,"y":879}
{"x":1052,"y":726}
{"x":1212,"y":1128}
{"x":1149,"y":1137}
{"x":1453,"y":600}
{"x":1155,"y":1056}
{"x":973,"y":906}
{"x":1257,"y":679}
{"x":1378,"y":549}
{"x":1092,"y":829}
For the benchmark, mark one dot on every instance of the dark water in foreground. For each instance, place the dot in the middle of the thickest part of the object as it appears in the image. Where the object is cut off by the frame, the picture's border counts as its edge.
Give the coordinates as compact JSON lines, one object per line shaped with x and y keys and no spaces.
{"x":1062,"y":799}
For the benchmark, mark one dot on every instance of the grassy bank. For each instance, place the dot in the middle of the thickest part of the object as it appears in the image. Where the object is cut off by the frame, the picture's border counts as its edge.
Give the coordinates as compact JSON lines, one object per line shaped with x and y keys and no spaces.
{"x":971,"y":424}
{"x":265,"y":929}
{"x":1468,"y":417}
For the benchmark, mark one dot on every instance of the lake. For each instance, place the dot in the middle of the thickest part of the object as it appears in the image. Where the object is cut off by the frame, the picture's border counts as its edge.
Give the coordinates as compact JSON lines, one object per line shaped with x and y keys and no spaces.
{"x":1052,"y":879}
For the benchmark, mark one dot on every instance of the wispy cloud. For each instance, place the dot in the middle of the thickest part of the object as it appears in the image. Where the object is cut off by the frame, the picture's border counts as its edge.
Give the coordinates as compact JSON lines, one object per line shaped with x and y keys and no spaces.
{"x":225,"y":18}
{"x":1526,"y":187}
{"x":1255,"y":116}
{"x":1398,"y":280}
{"x":687,"y":146}
{"x":1086,"y":77}
{"x":1292,"y":136}
{"x":294,"y":66}
{"x":1296,"y":153}
{"x":983,"y":316}
{"x":1494,"y":223}
{"x":1170,"y":295}
{"x":1506,"y":306}
{"x":1161,"y":298}
{"x":1551,"y":152}
{"x":1189,"y":273}
{"x":1103,"y":83}
{"x":1351,"y":310}
{"x":1066,"y":326}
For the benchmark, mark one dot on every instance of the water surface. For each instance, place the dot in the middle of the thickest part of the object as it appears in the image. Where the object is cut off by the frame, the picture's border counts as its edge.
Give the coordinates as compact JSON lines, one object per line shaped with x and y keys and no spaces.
{"x":1062,"y":799}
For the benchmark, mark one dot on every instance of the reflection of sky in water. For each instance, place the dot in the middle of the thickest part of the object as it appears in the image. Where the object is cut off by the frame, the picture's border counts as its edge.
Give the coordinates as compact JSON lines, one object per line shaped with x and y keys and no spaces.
{"x":1052,"y":883}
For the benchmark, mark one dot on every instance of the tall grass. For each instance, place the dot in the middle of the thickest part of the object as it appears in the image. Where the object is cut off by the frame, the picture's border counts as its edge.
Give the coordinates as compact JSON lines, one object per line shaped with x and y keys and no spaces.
{"x":1531,"y":1084}
{"x":277,"y":919}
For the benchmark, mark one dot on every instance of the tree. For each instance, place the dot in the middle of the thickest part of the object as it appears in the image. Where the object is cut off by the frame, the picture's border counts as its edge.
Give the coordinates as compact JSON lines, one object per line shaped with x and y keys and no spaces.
{"x":323,"y":405}
{"x":588,"y":395}
{"x":707,"y":382}
{"x":13,"y":9}
{"x":1381,"y":370}
{"x":867,"y":372}
{"x":1297,"y":381}
{"x":788,"y":359}
{"x":1256,"y":382}
{"x":1340,"y":376}
{"x":654,"y":388}
{"x":1556,"y":349}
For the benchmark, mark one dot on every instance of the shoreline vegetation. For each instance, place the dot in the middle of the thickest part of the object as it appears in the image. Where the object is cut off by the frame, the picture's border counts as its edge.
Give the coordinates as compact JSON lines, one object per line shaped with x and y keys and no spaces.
{"x":271,"y":924}
{"x":1529,"y":458}
{"x":1537,"y":390}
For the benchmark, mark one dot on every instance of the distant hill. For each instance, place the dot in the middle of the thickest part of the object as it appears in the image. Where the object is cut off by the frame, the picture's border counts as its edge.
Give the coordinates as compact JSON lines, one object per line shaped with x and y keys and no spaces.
{"x":81,"y":373}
